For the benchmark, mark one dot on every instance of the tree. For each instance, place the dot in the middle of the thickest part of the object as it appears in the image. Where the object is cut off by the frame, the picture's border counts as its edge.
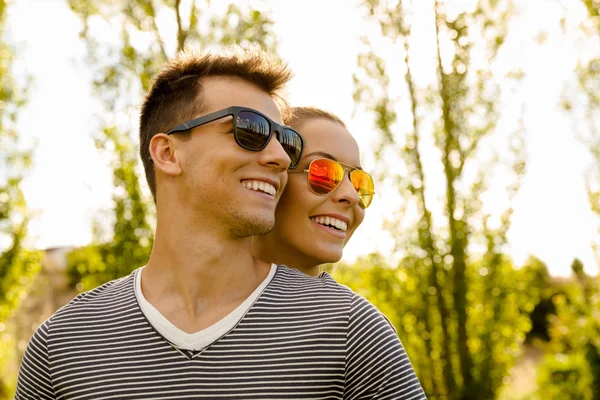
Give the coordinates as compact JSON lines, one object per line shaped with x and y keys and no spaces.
{"x":397,"y":292}
{"x":18,"y":266}
{"x":588,"y":79}
{"x":575,"y":339}
{"x":150,"y":32}
{"x":579,"y":348}
{"x":575,"y":328}
{"x":469,"y":320}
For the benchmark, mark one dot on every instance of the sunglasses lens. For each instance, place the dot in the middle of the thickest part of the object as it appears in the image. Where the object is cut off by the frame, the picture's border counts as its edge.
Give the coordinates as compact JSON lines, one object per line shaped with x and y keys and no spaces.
{"x":292,"y":144}
{"x":324,"y":175}
{"x":252,"y":130}
{"x":363,"y":183}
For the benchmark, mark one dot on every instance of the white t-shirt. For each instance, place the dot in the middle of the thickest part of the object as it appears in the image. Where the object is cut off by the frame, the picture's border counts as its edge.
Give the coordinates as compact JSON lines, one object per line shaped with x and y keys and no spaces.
{"x":197,"y":340}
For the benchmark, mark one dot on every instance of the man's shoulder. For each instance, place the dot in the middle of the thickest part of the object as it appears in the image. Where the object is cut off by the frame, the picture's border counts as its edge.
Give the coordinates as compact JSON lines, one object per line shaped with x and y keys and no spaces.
{"x":98,"y":302}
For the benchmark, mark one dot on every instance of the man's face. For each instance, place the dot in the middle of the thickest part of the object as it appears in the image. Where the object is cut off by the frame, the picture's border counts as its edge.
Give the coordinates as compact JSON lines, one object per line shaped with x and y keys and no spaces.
{"x":222,"y":183}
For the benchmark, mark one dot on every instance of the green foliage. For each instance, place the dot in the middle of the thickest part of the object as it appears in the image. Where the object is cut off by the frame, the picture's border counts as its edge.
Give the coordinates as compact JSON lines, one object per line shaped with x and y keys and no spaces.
{"x":131,"y":234}
{"x":124,"y":68}
{"x":593,"y":8}
{"x":541,"y":312}
{"x":469,"y":309}
{"x":588,"y":84}
{"x":18,"y":266}
{"x":131,"y":241}
{"x":18,"y":270}
{"x":575,"y":329}
{"x":12,"y":164}
{"x":499,"y":302}
{"x":565,"y":377}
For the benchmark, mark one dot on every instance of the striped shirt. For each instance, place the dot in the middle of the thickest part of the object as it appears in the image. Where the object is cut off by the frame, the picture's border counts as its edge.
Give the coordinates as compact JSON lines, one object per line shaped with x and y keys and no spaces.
{"x":303,"y":338}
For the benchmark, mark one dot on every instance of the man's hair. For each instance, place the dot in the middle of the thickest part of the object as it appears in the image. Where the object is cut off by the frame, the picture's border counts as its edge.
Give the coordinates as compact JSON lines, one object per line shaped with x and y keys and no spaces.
{"x":301,"y":115}
{"x":176,"y":93}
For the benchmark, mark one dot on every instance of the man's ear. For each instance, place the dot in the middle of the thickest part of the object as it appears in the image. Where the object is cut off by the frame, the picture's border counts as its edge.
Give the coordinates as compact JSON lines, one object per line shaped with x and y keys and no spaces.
{"x":164,"y":155}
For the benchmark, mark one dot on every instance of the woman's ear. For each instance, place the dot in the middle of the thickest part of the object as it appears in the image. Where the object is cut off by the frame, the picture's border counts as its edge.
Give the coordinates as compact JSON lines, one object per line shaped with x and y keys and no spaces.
{"x":164,"y":154}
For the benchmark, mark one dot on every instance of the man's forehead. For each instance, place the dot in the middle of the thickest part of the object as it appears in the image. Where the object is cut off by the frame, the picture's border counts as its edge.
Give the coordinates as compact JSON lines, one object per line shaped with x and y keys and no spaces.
{"x":219,"y":92}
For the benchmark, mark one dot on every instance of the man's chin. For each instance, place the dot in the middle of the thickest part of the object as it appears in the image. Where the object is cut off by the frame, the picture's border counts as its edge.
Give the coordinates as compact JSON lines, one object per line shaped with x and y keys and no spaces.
{"x":263,"y":230}
{"x":255,"y":227}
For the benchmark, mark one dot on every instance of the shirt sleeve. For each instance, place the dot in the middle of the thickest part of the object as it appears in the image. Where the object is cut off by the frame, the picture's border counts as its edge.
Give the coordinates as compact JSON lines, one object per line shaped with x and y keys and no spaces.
{"x":377,"y":366}
{"x":34,"y":380}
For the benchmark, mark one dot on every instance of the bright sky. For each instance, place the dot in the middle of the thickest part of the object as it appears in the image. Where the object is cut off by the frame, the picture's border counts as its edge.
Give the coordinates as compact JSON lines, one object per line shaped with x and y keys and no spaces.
{"x":70,"y":182}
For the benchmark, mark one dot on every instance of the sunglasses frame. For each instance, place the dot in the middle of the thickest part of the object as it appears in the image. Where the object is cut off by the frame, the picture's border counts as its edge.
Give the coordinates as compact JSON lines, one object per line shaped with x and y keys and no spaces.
{"x":235,"y":111}
{"x":345,"y":167}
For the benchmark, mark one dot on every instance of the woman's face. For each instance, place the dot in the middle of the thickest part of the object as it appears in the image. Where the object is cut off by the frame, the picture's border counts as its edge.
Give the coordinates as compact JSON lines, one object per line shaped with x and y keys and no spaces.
{"x":300,"y":216}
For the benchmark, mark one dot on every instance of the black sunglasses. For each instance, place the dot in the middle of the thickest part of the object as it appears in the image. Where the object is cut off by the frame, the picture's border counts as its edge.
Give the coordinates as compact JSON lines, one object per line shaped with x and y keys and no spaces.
{"x":253,"y":131}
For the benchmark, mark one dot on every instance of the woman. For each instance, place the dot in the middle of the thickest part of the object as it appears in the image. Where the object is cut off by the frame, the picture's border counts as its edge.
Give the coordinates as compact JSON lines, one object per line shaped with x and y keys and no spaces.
{"x":324,"y":200}
{"x":323,"y":203}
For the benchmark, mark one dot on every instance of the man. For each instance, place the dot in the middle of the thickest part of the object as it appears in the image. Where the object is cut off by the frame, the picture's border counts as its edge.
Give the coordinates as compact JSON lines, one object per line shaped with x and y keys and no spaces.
{"x":204,"y":319}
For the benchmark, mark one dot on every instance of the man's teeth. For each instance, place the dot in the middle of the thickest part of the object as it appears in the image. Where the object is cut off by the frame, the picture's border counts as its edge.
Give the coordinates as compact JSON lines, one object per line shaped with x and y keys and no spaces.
{"x":260,"y":186}
{"x":330,"y":221}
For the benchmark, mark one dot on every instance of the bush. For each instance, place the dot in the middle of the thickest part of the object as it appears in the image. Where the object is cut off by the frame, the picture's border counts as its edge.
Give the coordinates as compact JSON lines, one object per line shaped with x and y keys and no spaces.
{"x":565,"y":377}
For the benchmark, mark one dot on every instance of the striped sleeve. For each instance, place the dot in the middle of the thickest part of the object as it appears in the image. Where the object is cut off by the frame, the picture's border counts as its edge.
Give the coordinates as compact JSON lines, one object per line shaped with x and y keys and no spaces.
{"x":34,"y":375}
{"x":377,"y":366}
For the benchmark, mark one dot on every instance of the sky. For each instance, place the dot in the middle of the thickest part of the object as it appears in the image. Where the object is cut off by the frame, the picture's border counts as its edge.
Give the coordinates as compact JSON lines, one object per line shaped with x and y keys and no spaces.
{"x":70,"y":182}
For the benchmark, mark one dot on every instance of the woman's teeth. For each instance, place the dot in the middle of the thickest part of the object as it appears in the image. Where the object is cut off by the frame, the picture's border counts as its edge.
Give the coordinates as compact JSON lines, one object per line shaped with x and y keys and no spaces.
{"x":332,"y":222}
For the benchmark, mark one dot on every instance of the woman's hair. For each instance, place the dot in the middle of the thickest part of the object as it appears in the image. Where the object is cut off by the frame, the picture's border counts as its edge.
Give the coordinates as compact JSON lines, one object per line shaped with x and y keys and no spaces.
{"x":301,"y":115}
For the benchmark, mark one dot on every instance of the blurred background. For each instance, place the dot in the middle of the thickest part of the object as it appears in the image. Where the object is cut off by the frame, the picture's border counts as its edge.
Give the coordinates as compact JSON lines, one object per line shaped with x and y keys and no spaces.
{"x":479,"y":119}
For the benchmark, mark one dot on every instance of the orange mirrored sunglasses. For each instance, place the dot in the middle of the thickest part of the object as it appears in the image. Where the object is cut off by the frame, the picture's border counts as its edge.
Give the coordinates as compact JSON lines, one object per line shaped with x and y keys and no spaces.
{"x":325,"y":175}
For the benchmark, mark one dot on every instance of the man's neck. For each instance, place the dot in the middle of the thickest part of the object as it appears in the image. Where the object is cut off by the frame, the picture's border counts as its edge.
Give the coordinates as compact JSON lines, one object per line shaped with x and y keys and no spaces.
{"x":196,"y":278}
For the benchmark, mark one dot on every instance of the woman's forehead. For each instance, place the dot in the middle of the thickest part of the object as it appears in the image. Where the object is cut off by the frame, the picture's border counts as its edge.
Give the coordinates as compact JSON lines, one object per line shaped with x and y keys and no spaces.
{"x":330,"y":139}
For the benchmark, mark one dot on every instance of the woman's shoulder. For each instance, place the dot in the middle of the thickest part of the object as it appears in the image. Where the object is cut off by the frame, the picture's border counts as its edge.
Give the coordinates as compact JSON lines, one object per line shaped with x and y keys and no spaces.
{"x":293,"y":280}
